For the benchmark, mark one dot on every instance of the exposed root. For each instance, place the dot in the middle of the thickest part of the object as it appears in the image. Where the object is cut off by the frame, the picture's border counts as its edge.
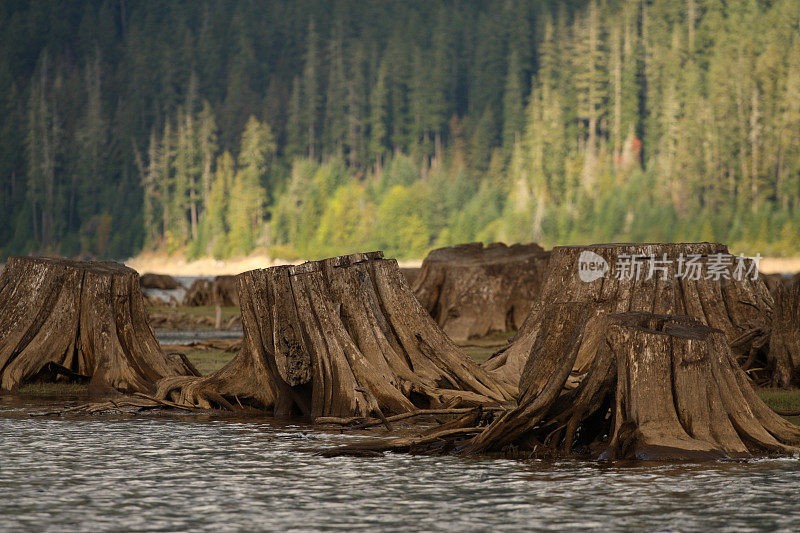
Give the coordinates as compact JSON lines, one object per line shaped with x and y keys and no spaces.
{"x":654,"y":387}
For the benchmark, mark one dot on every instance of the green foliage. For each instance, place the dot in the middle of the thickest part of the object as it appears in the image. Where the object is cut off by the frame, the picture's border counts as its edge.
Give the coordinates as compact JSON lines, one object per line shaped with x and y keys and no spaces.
{"x":399,"y":229}
{"x":214,"y":128}
{"x":345,"y":224}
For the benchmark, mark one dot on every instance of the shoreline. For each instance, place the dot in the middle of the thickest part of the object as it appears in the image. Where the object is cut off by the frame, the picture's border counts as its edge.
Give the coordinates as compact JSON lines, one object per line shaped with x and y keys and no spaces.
{"x":177,"y":265}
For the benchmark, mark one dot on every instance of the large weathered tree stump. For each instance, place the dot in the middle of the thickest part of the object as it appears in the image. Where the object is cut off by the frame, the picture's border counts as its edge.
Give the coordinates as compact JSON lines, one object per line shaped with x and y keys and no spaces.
{"x":342,"y":337}
{"x":636,"y":385}
{"x":784,"y":337}
{"x":701,"y":280}
{"x":65,"y":319}
{"x":472,"y":291}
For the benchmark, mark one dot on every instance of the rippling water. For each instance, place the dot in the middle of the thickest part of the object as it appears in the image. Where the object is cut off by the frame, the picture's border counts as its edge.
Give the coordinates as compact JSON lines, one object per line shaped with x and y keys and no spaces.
{"x":179,"y":473}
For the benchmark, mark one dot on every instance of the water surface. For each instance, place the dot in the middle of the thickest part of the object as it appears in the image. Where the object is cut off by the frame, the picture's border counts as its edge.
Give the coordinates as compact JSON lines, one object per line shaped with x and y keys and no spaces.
{"x":168,"y":473}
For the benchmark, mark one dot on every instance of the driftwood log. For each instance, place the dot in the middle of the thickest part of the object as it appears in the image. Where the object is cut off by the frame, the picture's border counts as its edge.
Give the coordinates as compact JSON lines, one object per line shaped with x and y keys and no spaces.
{"x":619,"y":386}
{"x":75,"y":320}
{"x":472,"y":290}
{"x":710,"y":289}
{"x":158,"y":281}
{"x":342,"y":337}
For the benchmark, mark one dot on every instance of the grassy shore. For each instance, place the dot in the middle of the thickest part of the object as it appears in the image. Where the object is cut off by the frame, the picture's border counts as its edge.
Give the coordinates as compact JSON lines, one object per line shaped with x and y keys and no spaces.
{"x":186,"y":317}
{"x":208,"y":361}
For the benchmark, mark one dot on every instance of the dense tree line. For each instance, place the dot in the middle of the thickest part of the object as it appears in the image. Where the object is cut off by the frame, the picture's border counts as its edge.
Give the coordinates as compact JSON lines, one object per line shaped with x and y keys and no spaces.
{"x":319,"y":127}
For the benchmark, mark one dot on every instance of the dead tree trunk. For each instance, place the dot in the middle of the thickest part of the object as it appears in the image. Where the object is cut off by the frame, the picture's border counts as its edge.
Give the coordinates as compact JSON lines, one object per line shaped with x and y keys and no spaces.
{"x":636,"y":385}
{"x":85,"y":319}
{"x":341,"y":337}
{"x":710,"y":289}
{"x":472,"y":291}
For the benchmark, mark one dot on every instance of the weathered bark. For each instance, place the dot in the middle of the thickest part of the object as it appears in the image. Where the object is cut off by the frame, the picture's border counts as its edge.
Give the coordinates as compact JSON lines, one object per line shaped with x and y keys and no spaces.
{"x":472,"y":291}
{"x":158,"y":281}
{"x":636,"y":385}
{"x":65,"y":319}
{"x":341,"y":337}
{"x":784,"y":337}
{"x":741,"y":308}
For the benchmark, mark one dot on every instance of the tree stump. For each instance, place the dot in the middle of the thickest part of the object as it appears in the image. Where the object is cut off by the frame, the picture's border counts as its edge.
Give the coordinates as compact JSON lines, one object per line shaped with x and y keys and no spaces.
{"x":784,"y":336}
{"x":411,"y":274}
{"x":342,"y":337}
{"x":78,"y":320}
{"x":158,"y":281}
{"x":224,"y":293}
{"x":198,"y":294}
{"x":472,"y":291}
{"x":635,"y":385}
{"x":741,"y":308}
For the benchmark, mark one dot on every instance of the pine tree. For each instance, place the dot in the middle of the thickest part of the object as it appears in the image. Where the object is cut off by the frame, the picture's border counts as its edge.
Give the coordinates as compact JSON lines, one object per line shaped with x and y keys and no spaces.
{"x":92,"y":135}
{"x":245,"y":210}
{"x":336,"y":97}
{"x":513,"y":118}
{"x":216,"y":224}
{"x":311,"y":90}
{"x":295,"y":129}
{"x":378,"y":131}
{"x":165,"y":193}
{"x":43,"y":144}
{"x":208,"y":147}
{"x":150,"y":180}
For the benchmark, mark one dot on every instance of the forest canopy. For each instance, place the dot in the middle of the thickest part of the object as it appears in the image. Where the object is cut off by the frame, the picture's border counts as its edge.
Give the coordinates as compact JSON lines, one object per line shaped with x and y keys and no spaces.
{"x":315,"y":128}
